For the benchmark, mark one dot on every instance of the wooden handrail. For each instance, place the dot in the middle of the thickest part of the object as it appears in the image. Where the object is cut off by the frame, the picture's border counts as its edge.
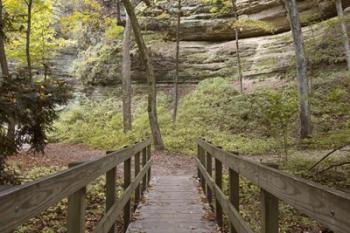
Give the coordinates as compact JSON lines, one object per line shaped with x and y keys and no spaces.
{"x":328,"y":206}
{"x":20,"y":203}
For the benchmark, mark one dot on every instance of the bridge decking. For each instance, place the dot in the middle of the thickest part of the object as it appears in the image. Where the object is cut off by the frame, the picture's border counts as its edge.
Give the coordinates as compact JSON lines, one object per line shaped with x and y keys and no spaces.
{"x":173,"y":205}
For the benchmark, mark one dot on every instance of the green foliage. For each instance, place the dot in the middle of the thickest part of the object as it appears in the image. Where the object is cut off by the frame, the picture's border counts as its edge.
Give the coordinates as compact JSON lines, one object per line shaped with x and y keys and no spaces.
{"x":327,"y":48}
{"x":99,"y":64}
{"x":277,"y":112}
{"x":213,"y":111}
{"x":44,"y":39}
{"x":88,"y":22}
{"x":259,"y":123}
{"x":250,"y":24}
{"x":33,"y":107}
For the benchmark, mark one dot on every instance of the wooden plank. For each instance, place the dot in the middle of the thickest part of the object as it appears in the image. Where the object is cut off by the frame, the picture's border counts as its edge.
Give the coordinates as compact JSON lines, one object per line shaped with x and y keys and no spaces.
{"x":218,"y":182}
{"x":20,"y":203}
{"x":234,"y":217}
{"x":234,"y":193}
{"x":144,"y":161}
{"x":326,"y":205}
{"x":137,"y":171}
{"x":184,"y":212}
{"x":111,"y":216}
{"x":111,"y":183}
{"x":209,"y":164}
{"x":76,"y":209}
{"x":127,"y":182}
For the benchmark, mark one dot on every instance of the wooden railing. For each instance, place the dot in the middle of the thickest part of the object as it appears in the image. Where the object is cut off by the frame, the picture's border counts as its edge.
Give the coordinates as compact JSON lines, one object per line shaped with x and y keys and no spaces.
{"x":23,"y":202}
{"x":327,"y":206}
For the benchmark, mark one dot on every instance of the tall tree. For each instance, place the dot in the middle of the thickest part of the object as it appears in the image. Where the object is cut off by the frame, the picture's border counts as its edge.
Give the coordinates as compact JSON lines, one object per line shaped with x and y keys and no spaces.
{"x":151,"y":79}
{"x":239,"y":64}
{"x":28,"y":32}
{"x":341,"y":17}
{"x":304,"y":107}
{"x":3,"y":59}
{"x":177,"y":70}
{"x":5,"y":73}
{"x":126,"y":79}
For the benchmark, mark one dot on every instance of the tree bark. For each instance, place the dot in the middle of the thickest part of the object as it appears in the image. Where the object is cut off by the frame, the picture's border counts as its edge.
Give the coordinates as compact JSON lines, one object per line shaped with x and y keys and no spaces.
{"x":239,"y":64}
{"x":3,"y":60}
{"x":28,"y":33}
{"x":151,"y":79}
{"x":304,"y":107}
{"x":176,"y":81}
{"x":126,"y":79}
{"x":339,"y":6}
{"x":6,"y":74}
{"x":119,"y":18}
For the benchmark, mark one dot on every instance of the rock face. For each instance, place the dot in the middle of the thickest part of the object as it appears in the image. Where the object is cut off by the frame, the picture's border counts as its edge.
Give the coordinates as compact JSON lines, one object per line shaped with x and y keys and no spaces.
{"x":208,"y":47}
{"x":208,"y":51}
{"x":200,"y":23}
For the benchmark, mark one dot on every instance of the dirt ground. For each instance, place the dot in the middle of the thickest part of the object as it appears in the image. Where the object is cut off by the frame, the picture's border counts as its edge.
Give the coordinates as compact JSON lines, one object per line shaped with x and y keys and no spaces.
{"x":62,"y":154}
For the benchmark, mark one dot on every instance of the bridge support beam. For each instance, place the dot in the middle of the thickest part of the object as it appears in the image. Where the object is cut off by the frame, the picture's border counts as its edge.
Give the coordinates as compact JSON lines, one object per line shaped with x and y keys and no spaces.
{"x":76,"y":209}
{"x":269,"y":207}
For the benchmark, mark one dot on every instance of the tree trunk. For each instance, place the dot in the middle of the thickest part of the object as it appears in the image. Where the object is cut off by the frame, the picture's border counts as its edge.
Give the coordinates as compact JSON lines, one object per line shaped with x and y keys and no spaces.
{"x":6,"y":74}
{"x":29,"y":26}
{"x":176,"y":81}
{"x":339,"y":6}
{"x":3,"y":60}
{"x":119,"y":18}
{"x":305,"y":115}
{"x":151,"y":79}
{"x":239,"y":64}
{"x":126,"y":80}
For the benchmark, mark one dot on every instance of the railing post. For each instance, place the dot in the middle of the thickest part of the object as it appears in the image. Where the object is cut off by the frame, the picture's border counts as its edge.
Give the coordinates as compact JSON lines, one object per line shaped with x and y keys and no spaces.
{"x":201,"y":154}
{"x":76,"y":209}
{"x":111,"y":178}
{"x":209,"y":164}
{"x":149,"y":154}
{"x":234,"y":192}
{"x":137,"y":171}
{"x":127,"y":181}
{"x":218,"y":181}
{"x":199,"y":175}
{"x":269,"y":209}
{"x":144,"y":161}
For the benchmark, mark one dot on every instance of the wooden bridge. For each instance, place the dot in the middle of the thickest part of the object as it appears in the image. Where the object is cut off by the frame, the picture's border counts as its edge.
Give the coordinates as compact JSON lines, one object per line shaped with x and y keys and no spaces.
{"x":173,"y":204}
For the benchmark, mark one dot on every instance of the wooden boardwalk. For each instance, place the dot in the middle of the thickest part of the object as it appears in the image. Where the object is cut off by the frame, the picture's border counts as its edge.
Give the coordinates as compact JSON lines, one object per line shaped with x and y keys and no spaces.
{"x":173,"y":205}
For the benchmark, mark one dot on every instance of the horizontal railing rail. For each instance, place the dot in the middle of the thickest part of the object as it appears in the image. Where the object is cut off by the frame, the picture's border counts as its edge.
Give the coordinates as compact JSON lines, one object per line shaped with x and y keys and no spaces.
{"x":329,"y":207}
{"x":20,"y":203}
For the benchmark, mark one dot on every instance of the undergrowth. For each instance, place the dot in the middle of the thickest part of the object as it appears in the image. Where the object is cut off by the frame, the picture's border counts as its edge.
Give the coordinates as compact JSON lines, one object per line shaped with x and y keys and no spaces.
{"x":252,"y":124}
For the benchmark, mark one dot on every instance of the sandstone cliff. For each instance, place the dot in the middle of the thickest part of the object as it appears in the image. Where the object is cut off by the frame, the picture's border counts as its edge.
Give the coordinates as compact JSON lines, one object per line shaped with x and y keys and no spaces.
{"x":208,"y":48}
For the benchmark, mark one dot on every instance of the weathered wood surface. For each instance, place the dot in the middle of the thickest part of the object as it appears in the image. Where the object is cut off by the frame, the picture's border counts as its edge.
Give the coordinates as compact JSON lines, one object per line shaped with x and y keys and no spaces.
{"x":20,"y":203}
{"x":329,"y":207}
{"x":173,"y":206}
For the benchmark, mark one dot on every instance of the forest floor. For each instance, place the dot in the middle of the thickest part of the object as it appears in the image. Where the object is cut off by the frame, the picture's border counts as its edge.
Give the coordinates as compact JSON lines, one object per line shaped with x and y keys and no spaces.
{"x":60,"y":155}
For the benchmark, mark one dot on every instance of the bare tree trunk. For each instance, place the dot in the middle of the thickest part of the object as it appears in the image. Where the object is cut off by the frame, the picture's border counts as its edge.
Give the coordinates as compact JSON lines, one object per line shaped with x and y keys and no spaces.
{"x":3,"y":60}
{"x":119,"y":18}
{"x":151,"y":79}
{"x":6,"y":74}
{"x":304,"y":107}
{"x":339,"y":6}
{"x":239,"y":64}
{"x":126,"y":80}
{"x":176,"y":81}
{"x":29,"y":27}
